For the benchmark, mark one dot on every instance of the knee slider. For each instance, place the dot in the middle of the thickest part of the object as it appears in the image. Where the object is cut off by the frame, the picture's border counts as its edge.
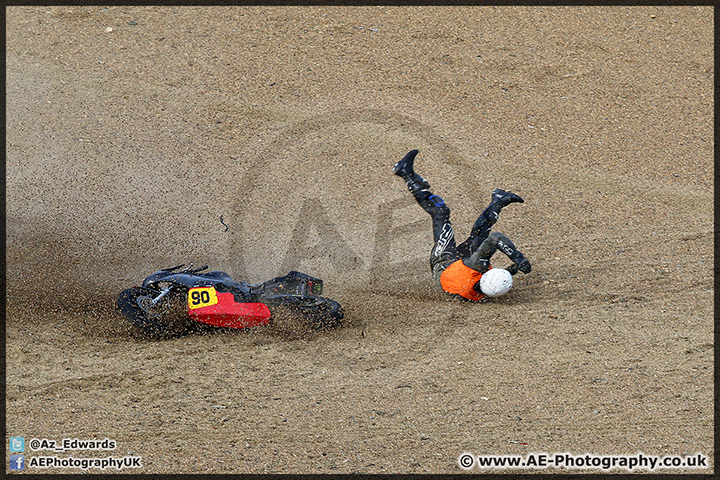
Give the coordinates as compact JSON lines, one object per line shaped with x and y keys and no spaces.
{"x":437,"y":200}
{"x":438,"y":205}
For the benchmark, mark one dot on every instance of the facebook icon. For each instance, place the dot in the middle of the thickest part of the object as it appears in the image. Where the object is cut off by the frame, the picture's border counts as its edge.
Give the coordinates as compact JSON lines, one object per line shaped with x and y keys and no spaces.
{"x":17,"y":462}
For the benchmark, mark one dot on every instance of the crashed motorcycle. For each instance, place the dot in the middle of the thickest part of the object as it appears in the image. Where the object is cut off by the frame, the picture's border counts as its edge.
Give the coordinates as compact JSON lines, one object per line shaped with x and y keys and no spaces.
{"x":173,"y":300}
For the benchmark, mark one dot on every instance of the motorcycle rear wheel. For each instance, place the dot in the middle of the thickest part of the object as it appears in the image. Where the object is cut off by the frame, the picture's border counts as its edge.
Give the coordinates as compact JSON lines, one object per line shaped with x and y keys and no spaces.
{"x":319,"y":313}
{"x":166,"y":319}
{"x":323,"y":313}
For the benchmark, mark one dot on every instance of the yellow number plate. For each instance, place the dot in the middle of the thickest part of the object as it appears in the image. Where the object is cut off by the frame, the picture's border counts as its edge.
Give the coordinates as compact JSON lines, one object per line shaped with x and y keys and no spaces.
{"x":202,"y":297}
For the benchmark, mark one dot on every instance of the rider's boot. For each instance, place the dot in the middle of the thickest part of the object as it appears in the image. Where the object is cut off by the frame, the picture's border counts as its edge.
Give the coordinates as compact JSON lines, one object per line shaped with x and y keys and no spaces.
{"x":500,"y":199}
{"x":503,"y":198}
{"x":404,"y":169}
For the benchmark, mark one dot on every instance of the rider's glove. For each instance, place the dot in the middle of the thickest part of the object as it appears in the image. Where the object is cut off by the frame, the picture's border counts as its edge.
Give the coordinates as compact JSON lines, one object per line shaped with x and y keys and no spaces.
{"x":524,"y":265}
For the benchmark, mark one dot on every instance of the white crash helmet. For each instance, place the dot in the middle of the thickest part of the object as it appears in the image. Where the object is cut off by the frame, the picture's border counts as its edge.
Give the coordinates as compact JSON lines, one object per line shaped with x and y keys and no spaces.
{"x":496,"y":282}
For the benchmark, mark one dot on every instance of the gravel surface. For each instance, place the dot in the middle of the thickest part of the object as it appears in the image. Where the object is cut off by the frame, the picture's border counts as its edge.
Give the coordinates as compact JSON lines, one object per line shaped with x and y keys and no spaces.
{"x":130,"y":130}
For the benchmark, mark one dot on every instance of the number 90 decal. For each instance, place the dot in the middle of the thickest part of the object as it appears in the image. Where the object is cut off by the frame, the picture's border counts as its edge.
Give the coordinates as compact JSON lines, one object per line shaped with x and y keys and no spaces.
{"x":202,"y":297}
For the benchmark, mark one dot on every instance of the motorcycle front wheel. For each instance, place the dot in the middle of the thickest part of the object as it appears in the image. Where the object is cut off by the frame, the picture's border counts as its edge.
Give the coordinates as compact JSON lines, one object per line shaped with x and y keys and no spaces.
{"x":167,"y":318}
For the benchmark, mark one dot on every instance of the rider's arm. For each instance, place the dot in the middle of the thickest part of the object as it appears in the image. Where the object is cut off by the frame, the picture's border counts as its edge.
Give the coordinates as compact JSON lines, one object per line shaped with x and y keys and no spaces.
{"x":477,"y":261}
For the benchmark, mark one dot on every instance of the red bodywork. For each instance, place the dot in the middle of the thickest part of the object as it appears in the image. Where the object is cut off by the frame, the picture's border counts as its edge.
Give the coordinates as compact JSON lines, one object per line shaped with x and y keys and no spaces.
{"x":229,"y":313}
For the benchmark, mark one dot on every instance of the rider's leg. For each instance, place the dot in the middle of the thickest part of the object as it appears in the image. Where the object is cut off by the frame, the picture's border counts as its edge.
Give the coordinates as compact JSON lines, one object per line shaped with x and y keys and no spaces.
{"x":444,"y":251}
{"x":482,"y":226}
{"x":480,"y":258}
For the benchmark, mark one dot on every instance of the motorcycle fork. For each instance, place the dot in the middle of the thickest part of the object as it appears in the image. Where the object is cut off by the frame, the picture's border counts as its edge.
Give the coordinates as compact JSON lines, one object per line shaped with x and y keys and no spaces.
{"x":162,"y":295}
